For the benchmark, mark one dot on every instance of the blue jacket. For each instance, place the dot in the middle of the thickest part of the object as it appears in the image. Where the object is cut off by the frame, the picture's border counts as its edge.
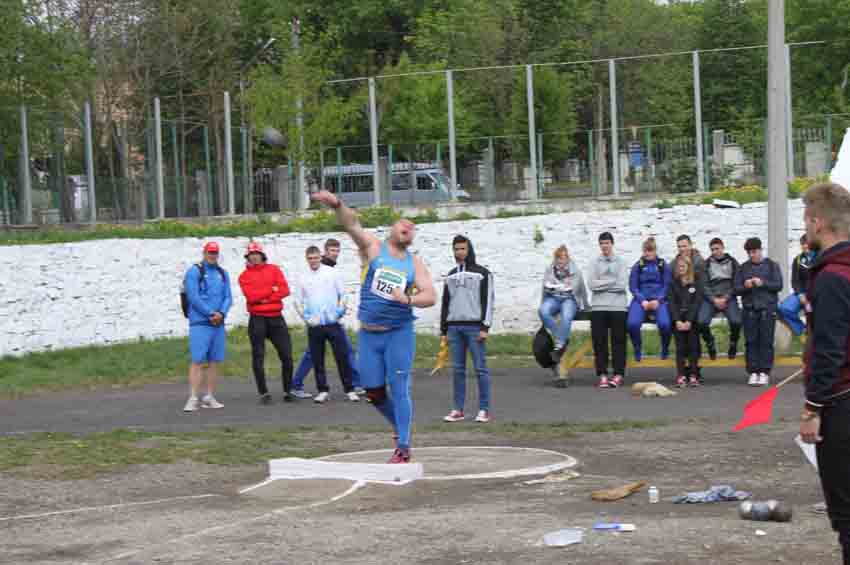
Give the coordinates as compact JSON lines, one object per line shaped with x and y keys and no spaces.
{"x":213,"y":295}
{"x":650,"y":282}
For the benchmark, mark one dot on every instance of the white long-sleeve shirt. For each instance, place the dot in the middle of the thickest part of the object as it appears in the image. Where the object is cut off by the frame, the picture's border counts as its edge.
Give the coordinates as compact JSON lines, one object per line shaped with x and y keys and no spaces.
{"x":321,"y":296}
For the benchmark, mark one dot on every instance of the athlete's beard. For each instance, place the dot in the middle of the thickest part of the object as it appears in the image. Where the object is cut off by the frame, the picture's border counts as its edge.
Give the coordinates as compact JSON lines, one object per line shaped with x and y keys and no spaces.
{"x":399,"y":244}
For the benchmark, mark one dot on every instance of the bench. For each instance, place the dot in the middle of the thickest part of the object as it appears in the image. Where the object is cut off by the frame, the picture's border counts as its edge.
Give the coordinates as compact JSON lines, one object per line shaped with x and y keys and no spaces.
{"x":582,"y":358}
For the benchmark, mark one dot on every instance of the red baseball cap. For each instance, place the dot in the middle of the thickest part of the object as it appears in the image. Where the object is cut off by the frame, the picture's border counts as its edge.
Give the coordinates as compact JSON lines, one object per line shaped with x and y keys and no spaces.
{"x":211,"y":247}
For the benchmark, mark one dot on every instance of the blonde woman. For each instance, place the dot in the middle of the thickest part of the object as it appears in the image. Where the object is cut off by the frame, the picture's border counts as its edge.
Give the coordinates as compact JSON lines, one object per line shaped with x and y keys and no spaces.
{"x":564,"y":296}
{"x":685,"y":298}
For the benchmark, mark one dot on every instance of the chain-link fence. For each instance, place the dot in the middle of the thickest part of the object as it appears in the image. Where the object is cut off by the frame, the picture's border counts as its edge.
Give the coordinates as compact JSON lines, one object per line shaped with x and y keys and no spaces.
{"x":425,"y":138}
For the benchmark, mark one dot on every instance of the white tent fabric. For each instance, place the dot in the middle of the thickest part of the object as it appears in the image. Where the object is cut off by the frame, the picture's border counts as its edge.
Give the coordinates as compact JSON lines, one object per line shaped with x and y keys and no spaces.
{"x":841,"y":171}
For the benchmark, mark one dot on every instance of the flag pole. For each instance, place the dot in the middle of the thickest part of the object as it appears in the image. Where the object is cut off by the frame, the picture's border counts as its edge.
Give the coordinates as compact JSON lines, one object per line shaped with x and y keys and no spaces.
{"x":791,"y":378}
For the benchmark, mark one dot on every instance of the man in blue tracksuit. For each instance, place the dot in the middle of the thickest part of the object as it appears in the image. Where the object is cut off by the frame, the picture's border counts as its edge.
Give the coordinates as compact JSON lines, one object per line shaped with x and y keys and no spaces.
{"x":649,"y":283}
{"x":789,"y":309}
{"x":395,"y":282}
{"x":207,"y":288}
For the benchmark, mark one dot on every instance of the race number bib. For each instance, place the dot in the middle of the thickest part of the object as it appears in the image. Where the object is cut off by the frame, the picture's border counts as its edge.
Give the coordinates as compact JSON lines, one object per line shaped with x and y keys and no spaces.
{"x":385,"y":281}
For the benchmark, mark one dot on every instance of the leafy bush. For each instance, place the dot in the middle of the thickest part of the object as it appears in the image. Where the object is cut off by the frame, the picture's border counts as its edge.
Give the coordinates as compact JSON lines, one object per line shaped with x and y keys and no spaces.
{"x":680,"y":175}
{"x":538,"y":235}
{"x":799,"y":185}
{"x":742,"y":195}
{"x":465,"y":216}
{"x":664,"y":204}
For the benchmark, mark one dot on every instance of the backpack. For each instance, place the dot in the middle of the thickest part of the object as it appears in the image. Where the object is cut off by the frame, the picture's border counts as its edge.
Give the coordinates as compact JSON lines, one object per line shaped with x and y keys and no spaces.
{"x":659,"y":261}
{"x":542,"y":347}
{"x":184,"y":298}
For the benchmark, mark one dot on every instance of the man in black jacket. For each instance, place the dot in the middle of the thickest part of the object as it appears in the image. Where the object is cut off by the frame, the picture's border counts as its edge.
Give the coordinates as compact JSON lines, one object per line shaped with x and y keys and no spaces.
{"x":465,"y":319}
{"x":759,"y":282}
{"x":825,"y":419}
{"x":720,"y":270}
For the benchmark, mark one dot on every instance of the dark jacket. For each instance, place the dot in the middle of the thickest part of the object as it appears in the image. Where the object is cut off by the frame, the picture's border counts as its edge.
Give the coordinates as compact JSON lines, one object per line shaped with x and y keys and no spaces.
{"x":696,"y":259}
{"x":650,"y":280}
{"x":800,"y":271}
{"x":765,"y":297}
{"x":467,"y":296}
{"x":328,"y":261}
{"x":828,"y":350}
{"x":684,"y":300}
{"x":720,"y":275}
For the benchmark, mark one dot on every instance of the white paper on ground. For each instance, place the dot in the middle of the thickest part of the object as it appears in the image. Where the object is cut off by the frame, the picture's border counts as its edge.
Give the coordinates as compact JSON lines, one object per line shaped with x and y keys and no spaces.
{"x":808,"y":450}
{"x":841,"y":171}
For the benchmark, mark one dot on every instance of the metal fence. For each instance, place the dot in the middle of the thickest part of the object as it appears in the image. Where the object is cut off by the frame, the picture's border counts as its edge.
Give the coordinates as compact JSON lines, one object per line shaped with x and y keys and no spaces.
{"x":61,"y":167}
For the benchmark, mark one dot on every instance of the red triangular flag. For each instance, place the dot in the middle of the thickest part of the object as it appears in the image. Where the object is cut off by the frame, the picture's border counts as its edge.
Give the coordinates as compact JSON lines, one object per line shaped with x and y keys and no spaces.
{"x":758,"y":410}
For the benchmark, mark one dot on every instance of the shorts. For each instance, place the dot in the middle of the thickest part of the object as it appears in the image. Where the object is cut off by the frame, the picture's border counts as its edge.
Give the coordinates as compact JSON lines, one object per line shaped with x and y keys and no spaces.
{"x":207,"y":343}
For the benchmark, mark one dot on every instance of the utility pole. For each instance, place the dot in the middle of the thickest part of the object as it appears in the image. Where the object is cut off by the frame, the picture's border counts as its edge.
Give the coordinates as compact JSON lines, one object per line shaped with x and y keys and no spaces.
{"x":777,"y":132}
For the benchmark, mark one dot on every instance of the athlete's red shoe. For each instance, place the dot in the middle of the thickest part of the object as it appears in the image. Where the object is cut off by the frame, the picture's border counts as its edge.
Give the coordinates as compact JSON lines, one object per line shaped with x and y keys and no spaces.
{"x":400,"y":455}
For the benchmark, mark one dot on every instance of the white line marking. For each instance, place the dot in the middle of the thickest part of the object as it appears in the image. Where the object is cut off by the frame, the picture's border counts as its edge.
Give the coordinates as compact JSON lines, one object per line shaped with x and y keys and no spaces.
{"x":256,"y":486}
{"x":107,"y":507}
{"x":351,"y":490}
{"x":567,"y":463}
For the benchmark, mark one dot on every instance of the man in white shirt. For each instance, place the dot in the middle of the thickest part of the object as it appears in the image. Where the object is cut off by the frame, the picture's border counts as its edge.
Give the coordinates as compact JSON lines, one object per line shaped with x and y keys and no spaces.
{"x":321,"y":306}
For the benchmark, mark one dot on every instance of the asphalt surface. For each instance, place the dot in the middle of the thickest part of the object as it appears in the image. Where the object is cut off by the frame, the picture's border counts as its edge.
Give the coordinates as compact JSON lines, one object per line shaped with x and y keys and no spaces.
{"x":518,"y":395}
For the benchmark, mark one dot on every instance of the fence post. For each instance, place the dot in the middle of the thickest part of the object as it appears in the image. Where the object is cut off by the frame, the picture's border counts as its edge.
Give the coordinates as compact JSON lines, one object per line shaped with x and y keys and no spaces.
{"x":208,"y":162}
{"x":615,"y":141}
{"x":532,"y":136}
{"x":650,"y":164}
{"x":490,"y":164}
{"x":25,"y":206}
{"x":338,"y":169}
{"x":228,"y":157}
{"x":246,"y":191}
{"x":389,"y":179}
{"x":373,"y":140}
{"x":160,"y":183}
{"x":90,"y":164}
{"x":450,"y":95}
{"x":175,"y":152}
{"x":828,"y":137}
{"x":540,"y":167}
{"x":591,"y":163}
{"x":698,"y":126}
{"x":789,"y":116}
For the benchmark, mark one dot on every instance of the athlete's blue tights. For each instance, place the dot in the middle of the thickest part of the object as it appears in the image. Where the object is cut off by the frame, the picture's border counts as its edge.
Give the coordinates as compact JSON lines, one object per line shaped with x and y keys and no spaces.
{"x":386,"y":358}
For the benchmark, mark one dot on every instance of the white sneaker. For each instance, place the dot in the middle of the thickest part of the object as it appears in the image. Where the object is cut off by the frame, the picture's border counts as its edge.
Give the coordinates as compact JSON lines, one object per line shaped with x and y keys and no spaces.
{"x":764,"y":379}
{"x":454,"y":416}
{"x":353,"y":396}
{"x":754,"y":379}
{"x":360,"y":390}
{"x":483,"y":417}
{"x":301,"y":394}
{"x":209,"y":401}
{"x":192,"y":404}
{"x":321,"y":398}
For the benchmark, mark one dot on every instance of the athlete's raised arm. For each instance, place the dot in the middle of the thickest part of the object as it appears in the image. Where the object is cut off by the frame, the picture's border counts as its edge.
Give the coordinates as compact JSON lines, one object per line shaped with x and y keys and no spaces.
{"x":366,"y":242}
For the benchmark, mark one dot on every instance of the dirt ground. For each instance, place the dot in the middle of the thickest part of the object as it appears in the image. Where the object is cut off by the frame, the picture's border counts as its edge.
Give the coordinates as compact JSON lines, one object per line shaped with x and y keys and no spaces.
{"x":430,"y":523}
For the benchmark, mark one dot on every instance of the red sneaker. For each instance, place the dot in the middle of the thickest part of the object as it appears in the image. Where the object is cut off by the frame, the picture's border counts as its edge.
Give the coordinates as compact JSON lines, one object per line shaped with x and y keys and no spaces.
{"x":693,"y":381}
{"x":400,"y":455}
{"x":616,"y":382}
{"x":603,"y":382}
{"x":681,"y":381}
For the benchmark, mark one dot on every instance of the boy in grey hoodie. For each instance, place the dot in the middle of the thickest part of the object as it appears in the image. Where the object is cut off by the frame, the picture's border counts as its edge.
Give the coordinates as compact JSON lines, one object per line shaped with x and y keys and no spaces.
{"x":608,"y":280}
{"x":465,"y":319}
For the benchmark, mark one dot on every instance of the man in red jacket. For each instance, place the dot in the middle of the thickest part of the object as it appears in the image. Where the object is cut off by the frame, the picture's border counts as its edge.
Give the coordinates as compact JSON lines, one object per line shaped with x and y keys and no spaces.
{"x":265,"y":287}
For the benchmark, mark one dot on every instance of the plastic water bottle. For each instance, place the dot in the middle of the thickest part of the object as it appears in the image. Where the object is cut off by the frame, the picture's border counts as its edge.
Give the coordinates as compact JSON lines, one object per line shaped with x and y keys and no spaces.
{"x":653,"y":495}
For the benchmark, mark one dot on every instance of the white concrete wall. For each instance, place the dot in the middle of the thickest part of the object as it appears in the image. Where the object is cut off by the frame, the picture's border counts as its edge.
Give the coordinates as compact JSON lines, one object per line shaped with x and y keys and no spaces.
{"x":97,"y":292}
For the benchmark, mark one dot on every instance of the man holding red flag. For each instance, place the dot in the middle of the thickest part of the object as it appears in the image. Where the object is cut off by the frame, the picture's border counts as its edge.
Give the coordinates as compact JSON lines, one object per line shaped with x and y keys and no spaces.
{"x":825,"y":419}
{"x":265,"y":287}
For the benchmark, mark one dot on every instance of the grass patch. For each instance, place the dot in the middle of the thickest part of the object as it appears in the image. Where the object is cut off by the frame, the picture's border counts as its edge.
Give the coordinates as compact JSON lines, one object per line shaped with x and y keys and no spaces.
{"x":67,"y":456}
{"x":166,"y":360}
{"x":61,"y":456}
{"x":560,"y":430}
